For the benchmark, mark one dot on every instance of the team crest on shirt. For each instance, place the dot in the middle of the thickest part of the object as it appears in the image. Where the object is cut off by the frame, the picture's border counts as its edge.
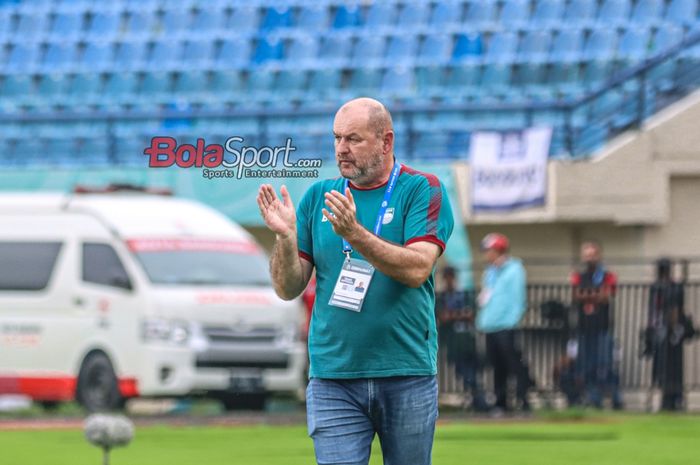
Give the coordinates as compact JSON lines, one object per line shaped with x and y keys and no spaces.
{"x":324,"y":219}
{"x":388,"y":216}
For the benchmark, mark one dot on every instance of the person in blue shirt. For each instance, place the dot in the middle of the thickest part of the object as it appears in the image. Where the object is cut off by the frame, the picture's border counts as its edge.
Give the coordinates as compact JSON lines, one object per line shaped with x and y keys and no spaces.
{"x":502,"y":303}
{"x":372,"y":352}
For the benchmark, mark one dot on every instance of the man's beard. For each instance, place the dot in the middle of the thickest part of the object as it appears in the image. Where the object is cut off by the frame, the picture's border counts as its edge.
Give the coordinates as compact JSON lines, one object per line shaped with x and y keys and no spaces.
{"x":365,"y":174}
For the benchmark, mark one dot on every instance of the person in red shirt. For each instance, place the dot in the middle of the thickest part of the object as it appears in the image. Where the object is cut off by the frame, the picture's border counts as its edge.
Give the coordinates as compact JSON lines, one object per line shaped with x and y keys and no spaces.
{"x":593,"y":291}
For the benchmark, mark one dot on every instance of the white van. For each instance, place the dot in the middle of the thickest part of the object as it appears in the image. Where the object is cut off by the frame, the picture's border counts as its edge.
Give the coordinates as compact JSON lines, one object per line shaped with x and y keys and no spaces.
{"x":107,"y":296}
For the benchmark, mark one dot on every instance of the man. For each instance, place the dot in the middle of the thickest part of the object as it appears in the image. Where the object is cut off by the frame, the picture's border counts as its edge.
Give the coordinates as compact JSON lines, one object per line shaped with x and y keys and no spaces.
{"x":502,"y":304}
{"x":455,"y":314}
{"x":593,"y":288}
{"x":373,"y":358}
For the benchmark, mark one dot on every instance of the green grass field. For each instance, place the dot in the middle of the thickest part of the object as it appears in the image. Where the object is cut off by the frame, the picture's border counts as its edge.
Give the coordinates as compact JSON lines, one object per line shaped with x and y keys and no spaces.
{"x":591,"y":439}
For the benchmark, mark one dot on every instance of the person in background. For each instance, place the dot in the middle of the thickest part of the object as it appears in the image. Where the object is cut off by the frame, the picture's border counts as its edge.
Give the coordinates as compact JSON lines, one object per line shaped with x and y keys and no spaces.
{"x":593,"y":289}
{"x":668,"y":328}
{"x":502,"y":303}
{"x":455,"y":315}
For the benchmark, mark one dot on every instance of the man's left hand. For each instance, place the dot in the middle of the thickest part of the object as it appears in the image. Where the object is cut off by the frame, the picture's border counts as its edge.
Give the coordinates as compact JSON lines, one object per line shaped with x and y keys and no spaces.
{"x":343,"y":213}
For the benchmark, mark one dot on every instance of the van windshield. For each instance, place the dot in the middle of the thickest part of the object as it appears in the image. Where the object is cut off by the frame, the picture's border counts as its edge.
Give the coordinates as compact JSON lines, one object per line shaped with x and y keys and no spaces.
{"x":202,"y":263}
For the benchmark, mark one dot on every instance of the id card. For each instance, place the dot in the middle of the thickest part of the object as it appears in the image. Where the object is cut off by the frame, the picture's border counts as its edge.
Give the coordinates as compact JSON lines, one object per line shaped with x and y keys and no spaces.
{"x":352,"y":285}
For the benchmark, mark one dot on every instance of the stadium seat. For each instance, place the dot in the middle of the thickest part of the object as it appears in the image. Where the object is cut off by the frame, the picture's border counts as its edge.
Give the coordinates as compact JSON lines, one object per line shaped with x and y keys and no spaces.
{"x":468,"y":47}
{"x":58,"y":58}
{"x":17,"y":91}
{"x":547,"y":14}
{"x":446,"y":15}
{"x":140,"y":23}
{"x":51,"y":89}
{"x":335,"y":51}
{"x":119,"y":89}
{"x":413,"y":17}
{"x":430,"y":81}
{"x":84,"y":89}
{"x":233,"y":54}
{"x":368,"y":51}
{"x":5,"y":25}
{"x":227,"y":86}
{"x":398,"y":83}
{"x":435,"y":49}
{"x":600,"y":45}
{"x":302,"y":51}
{"x":666,"y":37}
{"x":104,"y":25}
{"x":481,"y":15}
{"x":614,"y":12}
{"x":260,"y":84}
{"x":313,"y":18}
{"x":347,"y":16}
{"x":165,"y":54}
{"x":661,"y":76}
{"x":130,"y":56}
{"x":364,"y":81}
{"x":596,"y":72}
{"x":193,"y":85}
{"x":580,"y":13}
{"x":268,"y":51}
{"x":647,"y":12}
{"x":290,"y":84}
{"x":175,"y":22}
{"x":567,"y":46}
{"x":682,"y":12}
{"x":515,"y":15}
{"x":381,"y":16}
{"x":463,"y":81}
{"x":324,"y":83}
{"x":92,"y":152}
{"x":207,"y":21}
{"x":198,"y":53}
{"x":496,"y":80}
{"x":534,"y":46}
{"x":431,"y":145}
{"x":276,"y":18}
{"x":66,"y":26}
{"x":633,"y":46}
{"x":401,"y":50}
{"x":30,"y":27}
{"x":97,"y":56}
{"x":155,"y":88}
{"x":502,"y":48}
{"x":243,"y":20}
{"x":61,"y":151}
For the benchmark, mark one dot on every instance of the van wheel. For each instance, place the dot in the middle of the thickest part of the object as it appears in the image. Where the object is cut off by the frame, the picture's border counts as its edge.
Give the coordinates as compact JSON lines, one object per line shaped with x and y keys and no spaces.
{"x":98,"y":388}
{"x":50,"y":405}
{"x":244,"y":402}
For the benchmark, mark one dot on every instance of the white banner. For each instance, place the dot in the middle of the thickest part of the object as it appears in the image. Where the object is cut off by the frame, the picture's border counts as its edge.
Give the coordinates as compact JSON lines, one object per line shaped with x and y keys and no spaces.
{"x":509,"y":170}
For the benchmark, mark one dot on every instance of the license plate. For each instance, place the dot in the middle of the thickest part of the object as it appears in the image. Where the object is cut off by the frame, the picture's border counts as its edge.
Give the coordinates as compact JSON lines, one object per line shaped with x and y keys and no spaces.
{"x":246,"y":383}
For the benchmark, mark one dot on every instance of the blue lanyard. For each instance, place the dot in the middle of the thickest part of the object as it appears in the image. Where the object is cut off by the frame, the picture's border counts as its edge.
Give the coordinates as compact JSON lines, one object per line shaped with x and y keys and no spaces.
{"x":347,"y":248}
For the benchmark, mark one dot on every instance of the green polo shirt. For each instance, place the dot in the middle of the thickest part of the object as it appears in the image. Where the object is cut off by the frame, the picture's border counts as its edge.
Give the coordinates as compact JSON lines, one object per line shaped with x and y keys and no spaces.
{"x":395,"y":333}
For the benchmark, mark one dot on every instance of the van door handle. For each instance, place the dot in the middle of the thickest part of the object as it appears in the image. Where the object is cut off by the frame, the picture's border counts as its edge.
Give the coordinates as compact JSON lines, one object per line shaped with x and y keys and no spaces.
{"x":78,"y":301}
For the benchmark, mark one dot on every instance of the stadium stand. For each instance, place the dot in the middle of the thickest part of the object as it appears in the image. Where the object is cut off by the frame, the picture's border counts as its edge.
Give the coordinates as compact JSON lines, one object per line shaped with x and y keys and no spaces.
{"x":65,"y":62}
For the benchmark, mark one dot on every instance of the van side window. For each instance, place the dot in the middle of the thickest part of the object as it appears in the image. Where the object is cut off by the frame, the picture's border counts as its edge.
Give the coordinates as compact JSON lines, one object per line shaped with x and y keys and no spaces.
{"x":101,"y":265}
{"x":27,"y":266}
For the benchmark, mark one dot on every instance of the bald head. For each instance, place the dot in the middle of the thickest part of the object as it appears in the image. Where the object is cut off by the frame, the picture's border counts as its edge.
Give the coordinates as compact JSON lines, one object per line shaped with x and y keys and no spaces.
{"x":377,"y":116}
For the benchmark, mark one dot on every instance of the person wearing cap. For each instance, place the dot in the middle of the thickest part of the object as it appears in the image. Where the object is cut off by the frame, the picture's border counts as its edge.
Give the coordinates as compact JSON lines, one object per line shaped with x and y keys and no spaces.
{"x":373,"y":235}
{"x":502,"y":303}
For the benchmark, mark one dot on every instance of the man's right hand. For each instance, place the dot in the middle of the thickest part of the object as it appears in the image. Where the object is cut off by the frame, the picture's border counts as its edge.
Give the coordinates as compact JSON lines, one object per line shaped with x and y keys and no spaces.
{"x":279,"y":215}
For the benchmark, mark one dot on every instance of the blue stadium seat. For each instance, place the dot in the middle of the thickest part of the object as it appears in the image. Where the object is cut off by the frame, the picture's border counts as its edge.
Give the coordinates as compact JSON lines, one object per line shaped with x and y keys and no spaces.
{"x":243,"y":20}
{"x":97,"y":56}
{"x":347,"y":16}
{"x":17,"y":90}
{"x":567,"y":46}
{"x":368,"y":51}
{"x":401,"y":50}
{"x":596,"y":72}
{"x":290,"y":84}
{"x":481,"y":14}
{"x":534,"y":46}
{"x":51,"y":89}
{"x":381,"y":16}
{"x":647,"y":12}
{"x":682,"y":12}
{"x":431,"y":145}
{"x":468,"y":47}
{"x":119,"y":89}
{"x":198,"y":53}
{"x":104,"y":25}
{"x":633,"y":45}
{"x":463,"y":81}
{"x":193,"y":84}
{"x":324,"y":82}
{"x":130,"y":56}
{"x":276,"y":18}
{"x":233,"y":54}
{"x":5,"y":25}
{"x":84,"y":89}
{"x":31,"y":26}
{"x":23,"y":58}
{"x":600,"y":45}
{"x":335,"y":51}
{"x":58,"y":58}
{"x":502,"y":48}
{"x":60,"y":150}
{"x":458,"y":144}
{"x":155,"y":88}
{"x":140,"y":23}
{"x":364,"y":81}
{"x":564,"y":78}
{"x":580,"y":13}
{"x":661,"y":76}
{"x":446,"y":15}
{"x":29,"y":151}
{"x":515,"y":14}
{"x":207,"y":20}
{"x":413,"y":16}
{"x":435,"y":49}
{"x":302,"y":51}
{"x":92,"y":152}
{"x":67,"y":26}
{"x":260,"y":84}
{"x":313,"y":18}
{"x":614,"y":12}
{"x":398,"y":83}
{"x":268,"y":51}
{"x":175,"y":22}
{"x":227,"y":85}
{"x":165,"y":54}
{"x":496,"y":80}
{"x":430,"y":81}
{"x":547,"y":14}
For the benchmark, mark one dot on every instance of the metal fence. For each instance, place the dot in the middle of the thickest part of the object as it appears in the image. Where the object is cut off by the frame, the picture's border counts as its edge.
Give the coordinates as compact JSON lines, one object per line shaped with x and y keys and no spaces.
{"x":543,"y":341}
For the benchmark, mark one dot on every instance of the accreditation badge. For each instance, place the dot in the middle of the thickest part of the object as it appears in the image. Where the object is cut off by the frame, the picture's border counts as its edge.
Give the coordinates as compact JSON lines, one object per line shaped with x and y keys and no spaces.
{"x":351,"y":287}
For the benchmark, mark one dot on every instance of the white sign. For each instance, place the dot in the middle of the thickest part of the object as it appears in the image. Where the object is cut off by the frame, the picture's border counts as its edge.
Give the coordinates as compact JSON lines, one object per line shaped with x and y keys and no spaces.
{"x":509,"y":170}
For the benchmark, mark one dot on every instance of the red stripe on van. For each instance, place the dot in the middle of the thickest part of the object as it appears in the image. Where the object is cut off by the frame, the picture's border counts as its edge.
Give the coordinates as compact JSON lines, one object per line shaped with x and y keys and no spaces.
{"x":57,"y":388}
{"x":166,"y":245}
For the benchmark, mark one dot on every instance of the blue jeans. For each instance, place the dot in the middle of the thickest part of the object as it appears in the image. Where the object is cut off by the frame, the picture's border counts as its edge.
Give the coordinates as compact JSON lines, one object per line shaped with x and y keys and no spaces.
{"x":343,"y":416}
